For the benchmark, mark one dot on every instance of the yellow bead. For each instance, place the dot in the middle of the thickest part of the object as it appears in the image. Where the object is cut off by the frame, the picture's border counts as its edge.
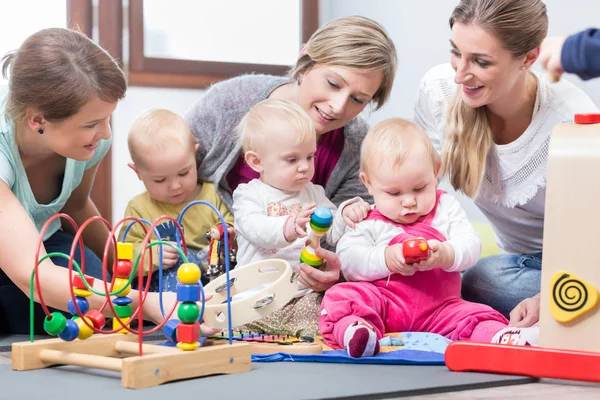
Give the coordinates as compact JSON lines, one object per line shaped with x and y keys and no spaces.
{"x":82,"y":292}
{"x":116,"y":324}
{"x":119,"y":283}
{"x":84,"y":330}
{"x":188,"y":274}
{"x":188,"y":346}
{"x":124,"y":251}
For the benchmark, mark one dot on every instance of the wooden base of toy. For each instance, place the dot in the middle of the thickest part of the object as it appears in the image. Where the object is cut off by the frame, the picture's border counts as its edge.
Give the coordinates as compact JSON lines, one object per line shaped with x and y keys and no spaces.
{"x":276,"y":284}
{"x":537,"y":362}
{"x":272,"y":348}
{"x":158,"y":365}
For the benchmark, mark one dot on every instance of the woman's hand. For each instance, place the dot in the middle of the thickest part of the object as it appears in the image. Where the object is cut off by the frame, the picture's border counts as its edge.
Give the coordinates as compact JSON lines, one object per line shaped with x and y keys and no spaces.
{"x":526,"y":313}
{"x":325,"y":277}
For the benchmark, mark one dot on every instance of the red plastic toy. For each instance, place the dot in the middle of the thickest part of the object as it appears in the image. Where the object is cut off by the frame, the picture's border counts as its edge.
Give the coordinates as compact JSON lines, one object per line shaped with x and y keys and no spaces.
{"x":415,"y":250}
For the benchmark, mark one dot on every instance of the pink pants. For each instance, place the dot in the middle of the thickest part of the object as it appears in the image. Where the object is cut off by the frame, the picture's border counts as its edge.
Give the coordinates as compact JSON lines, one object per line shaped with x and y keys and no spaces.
{"x":425,"y":302}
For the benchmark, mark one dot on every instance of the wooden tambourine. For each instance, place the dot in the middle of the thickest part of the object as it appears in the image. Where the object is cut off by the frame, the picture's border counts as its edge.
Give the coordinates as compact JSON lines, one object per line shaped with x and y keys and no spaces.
{"x":257,"y":290}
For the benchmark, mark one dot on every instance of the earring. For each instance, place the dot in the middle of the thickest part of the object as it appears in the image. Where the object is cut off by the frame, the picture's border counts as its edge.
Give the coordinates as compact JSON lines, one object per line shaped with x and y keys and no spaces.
{"x":40,"y":131}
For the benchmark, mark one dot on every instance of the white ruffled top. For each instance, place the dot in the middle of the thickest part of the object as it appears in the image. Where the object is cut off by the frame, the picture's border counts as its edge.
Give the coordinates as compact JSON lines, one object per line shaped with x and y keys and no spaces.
{"x":513,"y":190}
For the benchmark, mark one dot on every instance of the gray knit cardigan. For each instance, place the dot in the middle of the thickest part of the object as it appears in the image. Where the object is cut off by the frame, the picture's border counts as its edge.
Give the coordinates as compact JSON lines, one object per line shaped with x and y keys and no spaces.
{"x":213,"y":120}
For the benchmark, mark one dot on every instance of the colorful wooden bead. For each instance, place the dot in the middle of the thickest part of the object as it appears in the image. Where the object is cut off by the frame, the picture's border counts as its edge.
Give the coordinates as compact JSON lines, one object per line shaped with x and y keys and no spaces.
{"x":84,"y":330}
{"x":116,"y":324}
{"x":124,"y":251}
{"x":188,"y":333}
{"x":78,"y":282}
{"x":97,"y":318}
{"x":122,"y":301}
{"x":71,"y":331}
{"x":55,"y":324}
{"x":120,"y":283}
{"x":188,"y":293}
{"x":188,"y":312}
{"x":188,"y":274}
{"x":81,"y":292}
{"x":188,"y":346}
{"x":123,"y":311}
{"x":123,"y":269}
{"x":169,"y":329}
{"x":82,"y":303}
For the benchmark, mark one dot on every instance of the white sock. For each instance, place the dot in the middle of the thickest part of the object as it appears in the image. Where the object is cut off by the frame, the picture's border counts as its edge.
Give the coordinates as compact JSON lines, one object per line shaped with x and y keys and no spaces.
{"x":518,"y":336}
{"x":357,"y":343}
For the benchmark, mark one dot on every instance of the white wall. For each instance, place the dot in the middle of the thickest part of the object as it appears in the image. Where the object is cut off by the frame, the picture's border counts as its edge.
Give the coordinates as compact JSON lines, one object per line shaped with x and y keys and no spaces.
{"x":419,"y":30}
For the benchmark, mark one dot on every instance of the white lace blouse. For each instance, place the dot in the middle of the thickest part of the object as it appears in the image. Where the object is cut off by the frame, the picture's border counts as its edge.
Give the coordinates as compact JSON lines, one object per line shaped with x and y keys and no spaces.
{"x":513,"y":191}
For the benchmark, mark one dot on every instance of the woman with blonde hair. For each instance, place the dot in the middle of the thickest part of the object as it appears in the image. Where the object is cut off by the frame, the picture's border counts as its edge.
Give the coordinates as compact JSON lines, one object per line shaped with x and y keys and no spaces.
{"x":54,"y":130}
{"x":346,"y":65}
{"x":490,"y":117}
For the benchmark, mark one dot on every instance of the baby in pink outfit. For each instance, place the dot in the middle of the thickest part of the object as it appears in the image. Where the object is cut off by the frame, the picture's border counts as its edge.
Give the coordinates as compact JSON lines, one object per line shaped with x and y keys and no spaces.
{"x":383,"y":292}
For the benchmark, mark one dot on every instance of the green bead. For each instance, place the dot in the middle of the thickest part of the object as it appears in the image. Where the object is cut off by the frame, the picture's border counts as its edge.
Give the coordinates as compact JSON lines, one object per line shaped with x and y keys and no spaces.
{"x":55,"y":324}
{"x":123,"y":311}
{"x":188,"y":313}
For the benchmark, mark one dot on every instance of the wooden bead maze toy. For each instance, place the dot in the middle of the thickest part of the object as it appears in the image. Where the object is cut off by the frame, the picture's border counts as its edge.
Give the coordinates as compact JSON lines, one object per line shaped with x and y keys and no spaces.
{"x":569,"y":312}
{"x":153,"y":365}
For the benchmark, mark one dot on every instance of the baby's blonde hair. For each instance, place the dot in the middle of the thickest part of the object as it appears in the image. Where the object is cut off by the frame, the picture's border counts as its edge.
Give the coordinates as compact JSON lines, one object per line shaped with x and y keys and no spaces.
{"x":268,"y":117}
{"x":391,"y":140}
{"x":158,"y":129}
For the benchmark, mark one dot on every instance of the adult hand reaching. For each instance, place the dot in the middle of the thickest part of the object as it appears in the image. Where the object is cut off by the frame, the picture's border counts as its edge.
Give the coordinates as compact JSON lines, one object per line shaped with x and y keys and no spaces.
{"x":325,"y":277}
{"x":526,"y":313}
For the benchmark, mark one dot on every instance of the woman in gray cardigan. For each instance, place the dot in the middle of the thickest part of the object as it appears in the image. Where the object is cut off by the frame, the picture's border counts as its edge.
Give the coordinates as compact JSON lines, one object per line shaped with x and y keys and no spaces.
{"x":346,"y":64}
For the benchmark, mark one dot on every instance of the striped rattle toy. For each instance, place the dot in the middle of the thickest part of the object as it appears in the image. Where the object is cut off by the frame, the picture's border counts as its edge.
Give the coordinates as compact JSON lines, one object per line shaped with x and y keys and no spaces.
{"x":320,"y":222}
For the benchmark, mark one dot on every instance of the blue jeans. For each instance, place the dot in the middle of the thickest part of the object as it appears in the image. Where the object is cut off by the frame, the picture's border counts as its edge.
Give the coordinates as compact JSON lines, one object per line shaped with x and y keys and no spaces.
{"x":503,"y":281}
{"x":14,"y":304}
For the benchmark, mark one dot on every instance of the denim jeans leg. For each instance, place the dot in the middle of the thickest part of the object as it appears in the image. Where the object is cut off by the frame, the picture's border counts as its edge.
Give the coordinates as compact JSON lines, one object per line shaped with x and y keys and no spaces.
{"x":14,"y":304}
{"x":503,"y":281}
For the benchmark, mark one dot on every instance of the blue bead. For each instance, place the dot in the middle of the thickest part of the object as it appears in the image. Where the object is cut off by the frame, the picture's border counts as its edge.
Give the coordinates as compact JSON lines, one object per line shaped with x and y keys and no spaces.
{"x":71,"y":331}
{"x":83,"y":304}
{"x":122,"y":301}
{"x":188,"y":293}
{"x":169,"y":329}
{"x":322,"y":215}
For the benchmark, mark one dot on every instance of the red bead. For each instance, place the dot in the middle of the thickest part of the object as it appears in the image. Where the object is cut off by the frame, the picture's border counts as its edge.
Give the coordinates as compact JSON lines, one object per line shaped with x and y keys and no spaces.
{"x":188,"y":333}
{"x":123,"y":269}
{"x":78,"y":283}
{"x":97,"y":318}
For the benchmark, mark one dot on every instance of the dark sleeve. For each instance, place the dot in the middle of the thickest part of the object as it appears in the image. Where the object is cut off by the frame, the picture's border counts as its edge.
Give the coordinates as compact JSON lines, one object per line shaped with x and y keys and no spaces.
{"x":580,"y":54}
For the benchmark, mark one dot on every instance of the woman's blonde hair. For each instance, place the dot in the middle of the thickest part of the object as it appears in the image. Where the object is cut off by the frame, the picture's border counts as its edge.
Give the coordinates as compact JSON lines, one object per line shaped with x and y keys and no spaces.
{"x":390,"y":141}
{"x":352,"y":42}
{"x":269,"y":115}
{"x":520,"y":25}
{"x":158,"y":129}
{"x":57,"y":71}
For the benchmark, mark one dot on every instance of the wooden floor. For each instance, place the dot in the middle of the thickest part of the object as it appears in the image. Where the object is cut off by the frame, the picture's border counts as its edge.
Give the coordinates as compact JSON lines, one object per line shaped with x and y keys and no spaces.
{"x":546,"y":389}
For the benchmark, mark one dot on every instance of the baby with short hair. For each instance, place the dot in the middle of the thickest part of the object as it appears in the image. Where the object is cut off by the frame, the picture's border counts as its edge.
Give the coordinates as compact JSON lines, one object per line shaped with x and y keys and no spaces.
{"x":386,"y":293}
{"x":273,"y":212}
{"x":163,"y":151}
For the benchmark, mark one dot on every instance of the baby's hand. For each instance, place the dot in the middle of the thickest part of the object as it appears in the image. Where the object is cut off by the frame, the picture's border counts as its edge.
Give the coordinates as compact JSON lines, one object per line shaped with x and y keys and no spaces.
{"x":442,"y":256}
{"x":355,"y":212}
{"x":295,"y":225}
{"x":394,"y":260}
{"x":170,"y":256}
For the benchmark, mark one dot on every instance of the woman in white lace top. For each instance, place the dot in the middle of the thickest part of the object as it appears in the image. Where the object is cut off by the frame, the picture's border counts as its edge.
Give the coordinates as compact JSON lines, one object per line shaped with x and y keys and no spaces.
{"x":490,"y":117}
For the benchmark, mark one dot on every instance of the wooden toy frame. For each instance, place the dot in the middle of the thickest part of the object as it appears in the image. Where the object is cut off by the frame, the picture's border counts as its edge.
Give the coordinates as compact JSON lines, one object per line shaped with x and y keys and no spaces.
{"x":159,"y":364}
